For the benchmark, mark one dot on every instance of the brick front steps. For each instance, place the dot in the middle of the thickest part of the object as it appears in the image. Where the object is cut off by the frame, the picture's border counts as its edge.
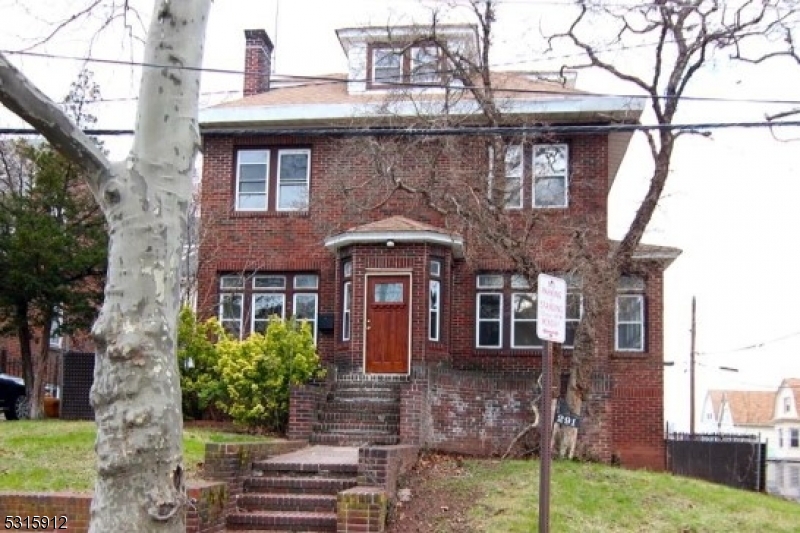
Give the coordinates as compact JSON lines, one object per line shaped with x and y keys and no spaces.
{"x":289,"y":494}
{"x":359,"y":411}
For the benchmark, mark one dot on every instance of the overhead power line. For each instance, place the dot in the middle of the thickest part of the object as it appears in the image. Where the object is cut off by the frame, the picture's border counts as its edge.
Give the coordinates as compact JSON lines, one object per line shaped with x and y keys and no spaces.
{"x":473,"y":131}
{"x":754,"y":346}
{"x":325,"y":80}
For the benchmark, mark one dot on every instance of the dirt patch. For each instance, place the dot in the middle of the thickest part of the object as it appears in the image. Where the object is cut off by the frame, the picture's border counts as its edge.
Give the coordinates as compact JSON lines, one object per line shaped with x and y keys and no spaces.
{"x":436,"y":506}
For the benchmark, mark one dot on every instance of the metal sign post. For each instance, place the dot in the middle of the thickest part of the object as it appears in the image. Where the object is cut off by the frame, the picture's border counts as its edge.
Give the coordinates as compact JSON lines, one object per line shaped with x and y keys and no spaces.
{"x":551,"y":312}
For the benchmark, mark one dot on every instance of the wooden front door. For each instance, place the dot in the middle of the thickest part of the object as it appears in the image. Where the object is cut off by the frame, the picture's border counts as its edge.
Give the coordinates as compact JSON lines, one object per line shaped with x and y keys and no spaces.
{"x":387,"y":323}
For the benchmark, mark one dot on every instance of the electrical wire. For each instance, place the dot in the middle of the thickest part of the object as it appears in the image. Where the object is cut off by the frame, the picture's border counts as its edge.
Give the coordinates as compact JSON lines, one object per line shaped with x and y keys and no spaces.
{"x":754,"y":346}
{"x":322,"y":80}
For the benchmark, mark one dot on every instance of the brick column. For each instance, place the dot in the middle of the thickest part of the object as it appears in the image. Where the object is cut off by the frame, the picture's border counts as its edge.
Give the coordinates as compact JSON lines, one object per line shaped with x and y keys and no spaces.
{"x":303,"y":401}
{"x":361,"y":510}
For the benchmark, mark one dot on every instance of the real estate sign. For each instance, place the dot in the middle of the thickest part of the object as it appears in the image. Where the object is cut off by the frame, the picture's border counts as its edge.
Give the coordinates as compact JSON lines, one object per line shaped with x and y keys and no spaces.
{"x":551,"y":308}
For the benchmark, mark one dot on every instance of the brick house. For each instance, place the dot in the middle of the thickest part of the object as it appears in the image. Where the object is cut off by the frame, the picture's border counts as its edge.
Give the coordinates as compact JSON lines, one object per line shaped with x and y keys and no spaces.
{"x":429,"y":333}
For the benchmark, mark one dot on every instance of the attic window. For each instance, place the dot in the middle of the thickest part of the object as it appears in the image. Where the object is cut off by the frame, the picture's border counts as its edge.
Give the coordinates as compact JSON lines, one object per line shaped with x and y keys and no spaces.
{"x":415,"y":65}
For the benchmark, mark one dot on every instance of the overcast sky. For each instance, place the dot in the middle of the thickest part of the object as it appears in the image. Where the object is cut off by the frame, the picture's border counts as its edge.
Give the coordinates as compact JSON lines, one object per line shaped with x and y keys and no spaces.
{"x":731,"y":203}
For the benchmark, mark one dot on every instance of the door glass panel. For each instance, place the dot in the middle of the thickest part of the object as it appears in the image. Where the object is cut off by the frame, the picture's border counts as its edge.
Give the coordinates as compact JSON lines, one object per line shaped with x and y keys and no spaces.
{"x":388,"y":293}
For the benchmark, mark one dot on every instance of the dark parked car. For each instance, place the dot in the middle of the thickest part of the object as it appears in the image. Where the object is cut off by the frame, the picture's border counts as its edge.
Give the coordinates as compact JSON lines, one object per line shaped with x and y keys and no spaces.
{"x":12,"y":397}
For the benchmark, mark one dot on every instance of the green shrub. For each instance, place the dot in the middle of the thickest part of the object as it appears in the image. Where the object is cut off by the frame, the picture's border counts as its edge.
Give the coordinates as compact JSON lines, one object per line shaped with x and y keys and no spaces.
{"x":248,"y":380}
{"x":197,"y":360}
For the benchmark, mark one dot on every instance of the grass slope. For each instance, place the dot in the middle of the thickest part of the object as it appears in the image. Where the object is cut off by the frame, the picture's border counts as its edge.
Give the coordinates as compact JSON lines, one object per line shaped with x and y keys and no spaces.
{"x":55,"y":455}
{"x":591,"y":498}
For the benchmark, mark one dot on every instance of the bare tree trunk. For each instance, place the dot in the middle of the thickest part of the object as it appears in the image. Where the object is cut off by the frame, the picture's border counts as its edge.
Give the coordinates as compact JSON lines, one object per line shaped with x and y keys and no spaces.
{"x":29,"y":366}
{"x":136,"y":393}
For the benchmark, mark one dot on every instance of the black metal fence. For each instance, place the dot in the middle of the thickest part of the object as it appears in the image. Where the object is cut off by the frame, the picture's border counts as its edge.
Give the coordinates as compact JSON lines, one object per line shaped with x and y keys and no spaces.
{"x":738,"y":461}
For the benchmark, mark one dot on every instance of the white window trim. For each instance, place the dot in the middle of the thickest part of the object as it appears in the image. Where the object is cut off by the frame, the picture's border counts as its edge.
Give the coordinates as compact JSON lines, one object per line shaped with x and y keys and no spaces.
{"x":580,"y":316}
{"x":490,"y":287}
{"x":478,"y":320}
{"x":347,"y":325}
{"x":526,"y":320}
{"x":414,"y":63}
{"x":316,"y":310}
{"x":618,"y":322}
{"x":222,"y":320}
{"x":281,"y":153}
{"x":266,"y":181}
{"x":435,"y":311}
{"x":253,"y":306}
{"x":521,"y":176}
{"x":533,"y":178}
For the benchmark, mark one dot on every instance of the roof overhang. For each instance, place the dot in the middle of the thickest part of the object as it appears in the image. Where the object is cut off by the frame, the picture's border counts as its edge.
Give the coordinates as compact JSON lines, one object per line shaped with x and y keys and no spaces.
{"x":572,"y":108}
{"x":455,"y":242}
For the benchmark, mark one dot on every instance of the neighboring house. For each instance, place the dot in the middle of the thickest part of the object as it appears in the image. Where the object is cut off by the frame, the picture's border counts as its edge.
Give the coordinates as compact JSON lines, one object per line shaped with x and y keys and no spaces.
{"x":771,"y":414}
{"x":786,"y":420}
{"x":394,"y":294}
{"x":739,"y":412}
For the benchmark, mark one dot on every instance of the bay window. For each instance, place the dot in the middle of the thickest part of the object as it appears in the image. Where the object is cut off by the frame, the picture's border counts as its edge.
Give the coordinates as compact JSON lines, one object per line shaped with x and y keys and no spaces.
{"x":434,"y":301}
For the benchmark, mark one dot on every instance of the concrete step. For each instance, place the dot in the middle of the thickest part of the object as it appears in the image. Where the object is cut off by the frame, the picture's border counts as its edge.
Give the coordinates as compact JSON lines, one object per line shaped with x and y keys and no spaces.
{"x":354,"y":439}
{"x":355,"y":405}
{"x":298,"y":485}
{"x":282,"y":521}
{"x":320,"y":503}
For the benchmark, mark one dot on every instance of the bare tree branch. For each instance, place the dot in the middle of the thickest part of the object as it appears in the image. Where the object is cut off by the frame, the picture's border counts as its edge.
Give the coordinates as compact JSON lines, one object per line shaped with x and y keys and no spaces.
{"x":23,"y":98}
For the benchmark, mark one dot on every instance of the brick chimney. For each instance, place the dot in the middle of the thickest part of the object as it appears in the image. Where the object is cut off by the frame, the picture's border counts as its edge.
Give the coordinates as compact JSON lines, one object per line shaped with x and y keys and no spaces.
{"x":257,"y":62}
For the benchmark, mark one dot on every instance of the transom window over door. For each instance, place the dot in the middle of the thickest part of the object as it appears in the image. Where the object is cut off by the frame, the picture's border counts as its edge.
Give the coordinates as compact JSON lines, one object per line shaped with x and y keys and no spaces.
{"x":277,"y":179}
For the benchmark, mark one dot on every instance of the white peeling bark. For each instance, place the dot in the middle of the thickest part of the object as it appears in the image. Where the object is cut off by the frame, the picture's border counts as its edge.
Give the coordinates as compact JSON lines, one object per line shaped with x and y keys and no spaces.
{"x":136,"y":393}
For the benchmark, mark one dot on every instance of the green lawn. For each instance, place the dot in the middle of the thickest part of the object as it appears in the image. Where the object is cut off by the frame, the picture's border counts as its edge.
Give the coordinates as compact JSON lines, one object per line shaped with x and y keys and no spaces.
{"x":591,"y":498}
{"x":55,"y":455}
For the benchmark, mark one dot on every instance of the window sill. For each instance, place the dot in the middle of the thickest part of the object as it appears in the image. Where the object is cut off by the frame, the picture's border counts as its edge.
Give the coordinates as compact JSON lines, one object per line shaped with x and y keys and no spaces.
{"x":616,"y":354}
{"x":269,"y":214}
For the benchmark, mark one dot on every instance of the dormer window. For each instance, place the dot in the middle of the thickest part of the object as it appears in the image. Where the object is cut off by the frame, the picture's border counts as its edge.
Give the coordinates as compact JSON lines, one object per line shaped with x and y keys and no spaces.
{"x":412,"y":65}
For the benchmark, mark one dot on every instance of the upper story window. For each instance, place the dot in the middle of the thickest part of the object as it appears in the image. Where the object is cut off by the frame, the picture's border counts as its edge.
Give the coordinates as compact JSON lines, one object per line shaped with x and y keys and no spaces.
{"x":276,"y":180}
{"x":550,"y":175}
{"x":787,"y":404}
{"x":542,"y":167}
{"x":414,"y":64}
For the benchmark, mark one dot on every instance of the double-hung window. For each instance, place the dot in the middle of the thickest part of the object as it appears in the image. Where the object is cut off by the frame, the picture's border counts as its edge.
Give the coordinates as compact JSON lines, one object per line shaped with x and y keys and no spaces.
{"x":629,"y":332}
{"x":794,"y":438}
{"x":252,"y":180}
{"x":273,"y":179}
{"x":489,"y":311}
{"x":435,"y":301}
{"x":425,"y":65}
{"x":512,"y":180}
{"x":550,"y":175}
{"x":387,"y":65}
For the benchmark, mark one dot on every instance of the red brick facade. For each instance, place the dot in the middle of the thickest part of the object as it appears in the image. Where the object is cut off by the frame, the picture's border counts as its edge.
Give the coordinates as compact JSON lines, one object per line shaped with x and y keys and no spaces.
{"x":625,"y":413}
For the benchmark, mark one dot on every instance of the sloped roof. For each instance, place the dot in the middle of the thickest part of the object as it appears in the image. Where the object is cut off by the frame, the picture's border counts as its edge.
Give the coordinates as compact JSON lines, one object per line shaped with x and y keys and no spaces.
{"x":716,"y":397}
{"x":332,"y":89}
{"x":396,"y":223}
{"x":794,"y":385}
{"x":397,"y":229}
{"x":748,"y":408}
{"x":654,"y":252}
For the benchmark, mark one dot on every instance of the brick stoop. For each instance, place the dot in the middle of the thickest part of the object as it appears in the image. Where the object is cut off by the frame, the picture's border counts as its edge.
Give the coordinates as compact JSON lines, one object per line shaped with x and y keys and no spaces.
{"x":287,"y":495}
{"x":359,"y":411}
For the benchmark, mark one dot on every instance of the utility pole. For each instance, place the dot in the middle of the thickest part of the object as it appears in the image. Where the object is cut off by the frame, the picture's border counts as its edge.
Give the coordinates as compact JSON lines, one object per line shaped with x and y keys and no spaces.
{"x":691,"y":367}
